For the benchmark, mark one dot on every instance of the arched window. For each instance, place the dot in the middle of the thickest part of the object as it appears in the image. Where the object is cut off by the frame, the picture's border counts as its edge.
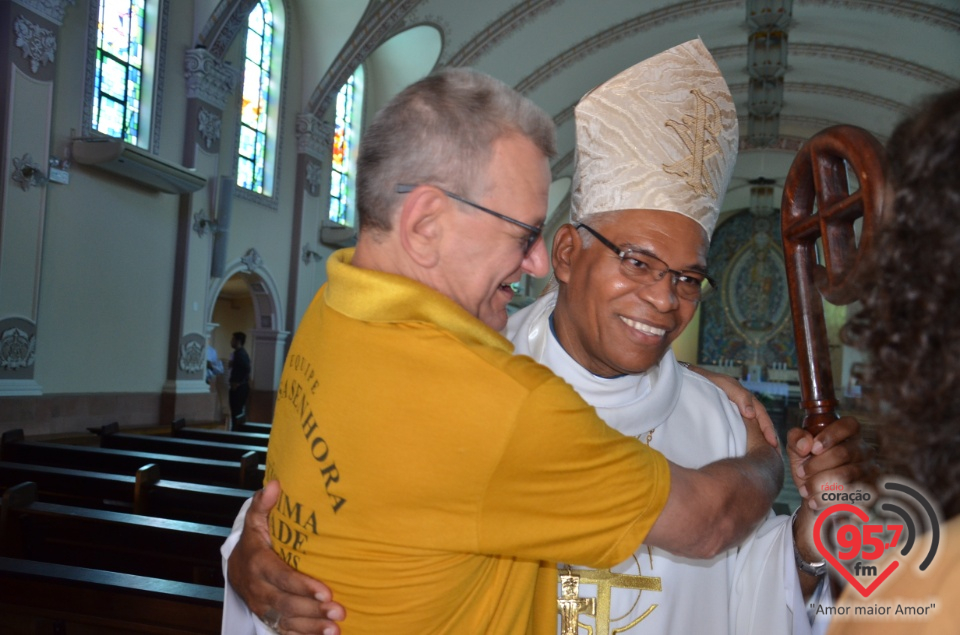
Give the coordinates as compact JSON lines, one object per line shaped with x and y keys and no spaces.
{"x":346,"y":137}
{"x":123,"y":81}
{"x":256,"y":143}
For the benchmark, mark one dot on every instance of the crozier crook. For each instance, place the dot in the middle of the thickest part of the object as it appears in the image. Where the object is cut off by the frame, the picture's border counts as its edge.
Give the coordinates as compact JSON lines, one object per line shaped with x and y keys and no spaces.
{"x":818,"y":203}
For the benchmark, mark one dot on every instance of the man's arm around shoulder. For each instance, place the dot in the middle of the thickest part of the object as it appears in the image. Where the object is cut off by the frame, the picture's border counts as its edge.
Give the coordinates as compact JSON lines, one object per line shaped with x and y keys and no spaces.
{"x":716,"y":507}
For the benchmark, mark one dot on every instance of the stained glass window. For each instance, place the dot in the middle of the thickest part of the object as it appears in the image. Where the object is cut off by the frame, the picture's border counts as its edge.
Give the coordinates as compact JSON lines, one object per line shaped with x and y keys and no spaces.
{"x":346,"y":136}
{"x":118,"y":83}
{"x":256,"y":98}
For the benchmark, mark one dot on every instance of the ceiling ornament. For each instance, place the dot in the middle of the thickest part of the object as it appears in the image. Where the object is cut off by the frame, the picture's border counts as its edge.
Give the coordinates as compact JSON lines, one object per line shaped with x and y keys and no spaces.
{"x":768,"y":21}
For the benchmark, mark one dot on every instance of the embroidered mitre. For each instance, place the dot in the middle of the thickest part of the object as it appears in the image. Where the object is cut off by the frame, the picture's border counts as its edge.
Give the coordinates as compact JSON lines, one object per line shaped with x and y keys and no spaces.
{"x":661,"y":135}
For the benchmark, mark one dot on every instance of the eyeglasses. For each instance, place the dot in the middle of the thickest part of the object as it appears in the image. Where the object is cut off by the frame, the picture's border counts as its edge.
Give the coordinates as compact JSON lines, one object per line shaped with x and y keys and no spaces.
{"x":646,"y":269}
{"x":531,"y":237}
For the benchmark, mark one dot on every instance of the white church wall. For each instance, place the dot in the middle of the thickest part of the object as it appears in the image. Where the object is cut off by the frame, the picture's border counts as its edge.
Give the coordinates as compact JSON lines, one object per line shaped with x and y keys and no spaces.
{"x":109,"y":244}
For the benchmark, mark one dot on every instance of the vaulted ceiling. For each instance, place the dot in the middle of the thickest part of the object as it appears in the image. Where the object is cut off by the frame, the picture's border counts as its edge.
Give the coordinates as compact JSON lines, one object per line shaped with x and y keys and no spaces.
{"x":861,"y":62}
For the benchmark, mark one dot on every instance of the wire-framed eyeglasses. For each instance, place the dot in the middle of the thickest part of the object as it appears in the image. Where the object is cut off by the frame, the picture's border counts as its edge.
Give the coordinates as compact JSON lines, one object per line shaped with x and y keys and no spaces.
{"x":645,"y":269}
{"x":532,"y":236}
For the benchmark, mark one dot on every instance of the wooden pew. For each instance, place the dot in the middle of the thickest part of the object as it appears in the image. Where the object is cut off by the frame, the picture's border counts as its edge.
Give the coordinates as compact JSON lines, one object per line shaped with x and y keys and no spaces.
{"x":263,"y":428}
{"x":112,"y":541}
{"x":179,"y":429}
{"x":245,"y":473}
{"x":111,"y":437}
{"x":41,"y":597}
{"x":145,"y":493}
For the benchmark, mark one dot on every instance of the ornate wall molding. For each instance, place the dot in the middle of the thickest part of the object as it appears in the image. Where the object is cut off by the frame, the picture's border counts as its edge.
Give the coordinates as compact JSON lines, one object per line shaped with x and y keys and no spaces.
{"x":208,"y":77}
{"x":560,"y":165}
{"x":785,"y":143}
{"x":908,"y":9}
{"x":193,"y":354}
{"x":228,"y":19}
{"x":208,"y":125}
{"x":18,"y":349}
{"x":39,"y":45}
{"x":52,"y":10}
{"x":506,"y":24}
{"x":378,"y":23}
{"x":252,"y":260}
{"x":615,"y":34}
{"x":314,"y":136}
{"x":314,"y":177}
{"x":159,"y":75}
{"x":838,"y":91}
{"x":876,"y":60}
{"x":564,"y":115}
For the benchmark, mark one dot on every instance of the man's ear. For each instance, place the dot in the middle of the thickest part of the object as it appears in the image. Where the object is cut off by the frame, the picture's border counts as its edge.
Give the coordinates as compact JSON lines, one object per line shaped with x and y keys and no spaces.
{"x":566,"y":246}
{"x":420,"y":227}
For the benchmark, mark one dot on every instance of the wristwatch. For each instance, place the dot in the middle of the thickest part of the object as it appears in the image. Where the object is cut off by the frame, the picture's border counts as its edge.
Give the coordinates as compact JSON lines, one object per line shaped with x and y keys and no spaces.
{"x":816,"y":569}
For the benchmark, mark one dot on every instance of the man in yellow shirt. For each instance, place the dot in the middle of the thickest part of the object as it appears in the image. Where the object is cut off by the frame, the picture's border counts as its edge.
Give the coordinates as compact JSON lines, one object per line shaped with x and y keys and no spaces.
{"x":427,"y":471}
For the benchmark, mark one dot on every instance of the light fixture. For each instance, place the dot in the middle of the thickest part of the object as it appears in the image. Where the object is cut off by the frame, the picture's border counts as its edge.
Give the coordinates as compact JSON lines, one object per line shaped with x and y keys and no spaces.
{"x":202,"y":223}
{"x":309,"y":255}
{"x":766,"y":97}
{"x":761,"y":196}
{"x":769,"y":13}
{"x":767,"y":63}
{"x":767,"y":53}
{"x":27,"y":174}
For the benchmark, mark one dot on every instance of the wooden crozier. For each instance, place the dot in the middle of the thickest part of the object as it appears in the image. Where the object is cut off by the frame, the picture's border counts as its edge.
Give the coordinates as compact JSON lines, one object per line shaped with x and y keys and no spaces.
{"x":821,"y":203}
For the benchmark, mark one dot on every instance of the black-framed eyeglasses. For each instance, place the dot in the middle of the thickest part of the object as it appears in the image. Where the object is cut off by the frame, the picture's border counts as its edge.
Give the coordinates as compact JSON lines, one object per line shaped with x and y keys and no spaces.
{"x":646,"y":269}
{"x":531,"y":237}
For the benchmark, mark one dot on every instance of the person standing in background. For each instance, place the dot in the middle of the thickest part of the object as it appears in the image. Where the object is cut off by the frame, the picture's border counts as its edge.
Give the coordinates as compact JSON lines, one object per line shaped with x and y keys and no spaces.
{"x":239,"y":379}
{"x":214,"y":365}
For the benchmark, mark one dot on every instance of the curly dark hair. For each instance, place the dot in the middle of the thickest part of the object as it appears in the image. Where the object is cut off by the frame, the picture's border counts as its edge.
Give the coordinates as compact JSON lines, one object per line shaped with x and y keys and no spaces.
{"x":907,"y":322}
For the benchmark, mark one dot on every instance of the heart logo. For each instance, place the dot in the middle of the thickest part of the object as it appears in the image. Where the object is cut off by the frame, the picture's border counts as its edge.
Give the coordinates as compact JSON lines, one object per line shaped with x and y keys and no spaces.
{"x":854,"y":582}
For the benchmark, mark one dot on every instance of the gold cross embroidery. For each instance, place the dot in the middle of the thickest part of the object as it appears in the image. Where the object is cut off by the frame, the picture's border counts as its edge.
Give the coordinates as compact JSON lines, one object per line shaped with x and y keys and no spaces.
{"x":571,"y":605}
{"x":599,"y":607}
{"x":693,"y":131}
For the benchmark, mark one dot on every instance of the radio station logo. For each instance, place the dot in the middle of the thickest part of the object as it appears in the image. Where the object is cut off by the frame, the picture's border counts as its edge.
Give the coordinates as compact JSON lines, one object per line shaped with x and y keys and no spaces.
{"x":866,"y":548}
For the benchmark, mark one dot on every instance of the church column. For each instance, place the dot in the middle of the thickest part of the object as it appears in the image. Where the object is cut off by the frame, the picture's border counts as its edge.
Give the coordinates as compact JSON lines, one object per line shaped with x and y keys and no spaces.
{"x":307,"y":270}
{"x":210,"y":82}
{"x":269,"y":350}
{"x":27,"y":64}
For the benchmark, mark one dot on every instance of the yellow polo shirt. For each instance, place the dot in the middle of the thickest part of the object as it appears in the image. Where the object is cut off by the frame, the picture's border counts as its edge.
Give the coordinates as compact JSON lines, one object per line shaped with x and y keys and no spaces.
{"x":428,"y":473}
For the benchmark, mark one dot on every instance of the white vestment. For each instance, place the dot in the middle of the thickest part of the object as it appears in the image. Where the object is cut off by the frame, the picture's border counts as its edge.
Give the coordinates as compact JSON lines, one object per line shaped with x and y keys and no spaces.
{"x":753,"y":589}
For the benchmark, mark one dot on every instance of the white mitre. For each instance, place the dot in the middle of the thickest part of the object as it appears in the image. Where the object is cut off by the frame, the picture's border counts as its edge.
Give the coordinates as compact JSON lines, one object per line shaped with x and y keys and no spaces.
{"x":660,"y":135}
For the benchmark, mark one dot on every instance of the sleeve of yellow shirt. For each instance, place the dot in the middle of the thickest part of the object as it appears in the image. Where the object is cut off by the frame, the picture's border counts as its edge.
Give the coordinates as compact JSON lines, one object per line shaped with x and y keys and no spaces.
{"x":568,"y":487}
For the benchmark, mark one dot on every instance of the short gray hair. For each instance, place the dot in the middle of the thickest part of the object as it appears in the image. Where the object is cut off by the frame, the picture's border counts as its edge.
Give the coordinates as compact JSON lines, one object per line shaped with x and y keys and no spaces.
{"x":440,"y":131}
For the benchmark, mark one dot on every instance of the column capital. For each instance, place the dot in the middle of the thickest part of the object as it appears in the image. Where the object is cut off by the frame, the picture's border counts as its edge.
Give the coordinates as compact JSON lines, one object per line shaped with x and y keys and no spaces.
{"x":209,"y":78}
{"x":52,"y":10}
{"x":314,"y":136}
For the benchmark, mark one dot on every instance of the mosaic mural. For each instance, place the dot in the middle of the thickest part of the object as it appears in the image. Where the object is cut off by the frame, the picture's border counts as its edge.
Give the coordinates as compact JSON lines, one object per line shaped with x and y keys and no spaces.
{"x":748,"y":320}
